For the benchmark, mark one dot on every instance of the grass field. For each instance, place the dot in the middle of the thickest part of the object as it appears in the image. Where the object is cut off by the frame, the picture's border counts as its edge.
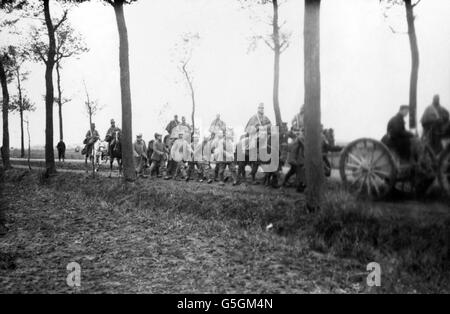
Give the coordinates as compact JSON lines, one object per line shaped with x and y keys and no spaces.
{"x":172,"y":236}
{"x":40,"y":154}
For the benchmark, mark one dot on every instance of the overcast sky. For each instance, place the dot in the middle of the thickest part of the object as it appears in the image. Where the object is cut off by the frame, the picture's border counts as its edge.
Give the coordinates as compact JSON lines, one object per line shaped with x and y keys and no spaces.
{"x":365,"y":67}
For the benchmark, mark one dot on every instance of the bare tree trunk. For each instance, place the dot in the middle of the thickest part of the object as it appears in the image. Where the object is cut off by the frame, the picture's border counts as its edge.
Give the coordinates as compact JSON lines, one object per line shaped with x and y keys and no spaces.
{"x":49,"y":95}
{"x":127,"y":145}
{"x":191,"y":88}
{"x":313,"y":148}
{"x":19,"y":88}
{"x":414,"y":64}
{"x":5,"y":110}
{"x":58,"y":82}
{"x":276,"y":70}
{"x":22,"y":142}
{"x":29,"y":144}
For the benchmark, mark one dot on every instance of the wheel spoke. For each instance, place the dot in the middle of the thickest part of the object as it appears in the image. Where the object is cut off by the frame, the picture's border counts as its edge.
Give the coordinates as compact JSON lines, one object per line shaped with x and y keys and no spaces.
{"x":357,"y":179}
{"x":356,"y":159}
{"x":352,"y":166}
{"x":369,"y":185}
{"x":380,"y":177}
{"x":381,"y":173}
{"x":375,"y":162}
{"x":375,"y":184}
{"x":360,"y":189}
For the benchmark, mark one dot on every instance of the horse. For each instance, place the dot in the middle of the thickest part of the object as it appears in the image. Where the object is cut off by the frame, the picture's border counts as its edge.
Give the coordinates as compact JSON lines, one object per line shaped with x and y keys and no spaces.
{"x":115,"y":150}
{"x":99,"y":154}
{"x":90,"y":152}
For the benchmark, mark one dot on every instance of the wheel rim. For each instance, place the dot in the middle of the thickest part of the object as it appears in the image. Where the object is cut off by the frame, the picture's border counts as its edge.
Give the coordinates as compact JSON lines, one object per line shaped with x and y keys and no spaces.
{"x":367,"y":168}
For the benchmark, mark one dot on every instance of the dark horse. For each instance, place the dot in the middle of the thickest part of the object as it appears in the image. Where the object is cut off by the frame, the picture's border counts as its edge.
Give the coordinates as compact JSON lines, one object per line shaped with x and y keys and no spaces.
{"x":115,"y":150}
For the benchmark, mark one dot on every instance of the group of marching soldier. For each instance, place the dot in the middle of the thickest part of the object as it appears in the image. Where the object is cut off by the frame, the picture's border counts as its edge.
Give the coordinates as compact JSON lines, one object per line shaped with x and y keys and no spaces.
{"x":171,"y":157}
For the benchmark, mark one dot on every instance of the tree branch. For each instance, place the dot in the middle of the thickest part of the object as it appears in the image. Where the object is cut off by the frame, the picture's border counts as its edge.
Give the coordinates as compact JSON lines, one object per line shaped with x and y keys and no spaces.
{"x":268,"y":44}
{"x":64,"y":18}
{"x":415,"y":4}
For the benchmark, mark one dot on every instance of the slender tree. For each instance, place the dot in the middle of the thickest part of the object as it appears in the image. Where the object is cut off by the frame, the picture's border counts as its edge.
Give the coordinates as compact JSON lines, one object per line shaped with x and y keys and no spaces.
{"x":27,"y":121}
{"x":5,"y":110}
{"x":50,"y":61}
{"x":6,"y":7}
{"x":184,"y":55}
{"x":69,"y":44}
{"x":126,"y":136}
{"x":313,"y":151}
{"x":20,"y":103}
{"x":92,"y":106}
{"x":414,"y":48}
{"x":278,"y":41}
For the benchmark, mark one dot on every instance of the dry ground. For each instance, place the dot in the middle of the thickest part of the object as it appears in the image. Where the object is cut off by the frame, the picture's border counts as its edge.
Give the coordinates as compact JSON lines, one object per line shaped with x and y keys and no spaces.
{"x":159,"y":236}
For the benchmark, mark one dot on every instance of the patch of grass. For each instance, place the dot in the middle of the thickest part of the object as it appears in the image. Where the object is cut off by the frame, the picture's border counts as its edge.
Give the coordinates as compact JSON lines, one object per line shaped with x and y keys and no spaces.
{"x":413,"y":240}
{"x":410,"y":240}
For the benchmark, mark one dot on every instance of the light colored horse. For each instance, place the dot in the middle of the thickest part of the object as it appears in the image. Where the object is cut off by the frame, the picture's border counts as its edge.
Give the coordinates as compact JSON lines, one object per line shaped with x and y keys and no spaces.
{"x":99,"y":154}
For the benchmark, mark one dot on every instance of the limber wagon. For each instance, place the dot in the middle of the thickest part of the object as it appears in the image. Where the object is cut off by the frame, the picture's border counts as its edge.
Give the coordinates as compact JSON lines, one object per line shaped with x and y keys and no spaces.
{"x":371,"y":170}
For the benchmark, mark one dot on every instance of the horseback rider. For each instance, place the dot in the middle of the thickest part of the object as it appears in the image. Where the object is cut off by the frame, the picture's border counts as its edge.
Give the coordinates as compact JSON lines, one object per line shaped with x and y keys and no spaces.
{"x":217,"y":125}
{"x":397,"y":137}
{"x":186,"y":125}
{"x":258,"y":120}
{"x":91,"y":137}
{"x":435,"y":123}
{"x":110,"y":135}
{"x":172,"y":124}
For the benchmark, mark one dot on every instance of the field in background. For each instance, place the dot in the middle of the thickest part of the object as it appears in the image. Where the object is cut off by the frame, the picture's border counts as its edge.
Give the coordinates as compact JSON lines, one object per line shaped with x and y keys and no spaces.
{"x":40,"y":154}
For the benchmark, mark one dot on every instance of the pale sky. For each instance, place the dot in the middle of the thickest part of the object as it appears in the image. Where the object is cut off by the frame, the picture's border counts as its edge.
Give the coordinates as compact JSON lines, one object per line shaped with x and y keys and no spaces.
{"x":364,"y":66}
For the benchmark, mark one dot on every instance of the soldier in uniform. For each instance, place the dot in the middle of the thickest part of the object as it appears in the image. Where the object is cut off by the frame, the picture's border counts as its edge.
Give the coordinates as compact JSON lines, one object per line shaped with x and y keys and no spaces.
{"x":397,"y":137}
{"x":186,"y":125}
{"x":257,"y":123}
{"x":158,"y":156}
{"x":223,"y":151}
{"x":180,"y":153}
{"x":110,"y":135}
{"x":140,"y":154}
{"x":217,"y":125}
{"x":258,"y":120}
{"x":296,"y":161}
{"x":172,"y":124}
{"x":435,"y":123}
{"x":91,"y":137}
{"x":61,"y":147}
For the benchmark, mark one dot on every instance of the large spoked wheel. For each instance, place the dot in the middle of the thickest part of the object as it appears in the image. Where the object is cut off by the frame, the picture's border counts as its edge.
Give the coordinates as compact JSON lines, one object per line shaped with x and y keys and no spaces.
{"x":444,"y":170}
{"x":368,"y":169}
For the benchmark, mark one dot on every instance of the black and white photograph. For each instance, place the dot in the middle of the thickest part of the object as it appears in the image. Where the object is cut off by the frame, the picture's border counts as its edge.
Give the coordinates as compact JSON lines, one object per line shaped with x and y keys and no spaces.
{"x":223,"y":152}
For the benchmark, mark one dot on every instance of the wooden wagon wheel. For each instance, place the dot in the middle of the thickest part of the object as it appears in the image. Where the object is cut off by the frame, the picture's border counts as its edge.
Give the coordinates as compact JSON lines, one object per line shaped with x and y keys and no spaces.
{"x":368,"y":169}
{"x":444,"y":170}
